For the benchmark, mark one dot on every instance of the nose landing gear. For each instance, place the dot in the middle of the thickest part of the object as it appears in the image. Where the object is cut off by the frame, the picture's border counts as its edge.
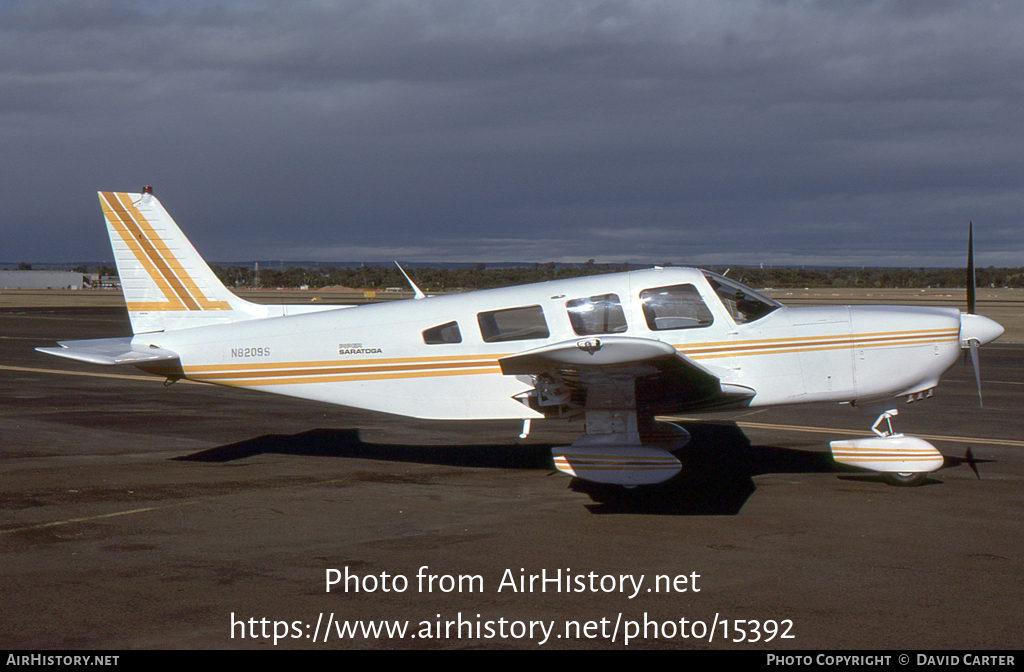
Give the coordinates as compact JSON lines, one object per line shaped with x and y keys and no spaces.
{"x":904,"y":460}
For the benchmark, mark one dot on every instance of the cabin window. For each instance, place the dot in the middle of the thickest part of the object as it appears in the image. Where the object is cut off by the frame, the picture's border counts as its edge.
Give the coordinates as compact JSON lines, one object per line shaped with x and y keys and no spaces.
{"x":743,"y":303}
{"x":443,"y":333}
{"x":513,"y":324}
{"x":674,"y":307}
{"x":600,"y":314}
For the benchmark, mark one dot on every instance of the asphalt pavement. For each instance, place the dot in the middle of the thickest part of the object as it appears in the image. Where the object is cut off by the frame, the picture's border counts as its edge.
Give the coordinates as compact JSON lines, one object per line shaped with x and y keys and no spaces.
{"x":139,"y":515}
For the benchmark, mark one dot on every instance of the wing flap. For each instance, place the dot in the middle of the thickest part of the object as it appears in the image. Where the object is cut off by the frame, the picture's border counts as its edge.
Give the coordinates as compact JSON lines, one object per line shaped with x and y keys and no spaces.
{"x":110,"y":351}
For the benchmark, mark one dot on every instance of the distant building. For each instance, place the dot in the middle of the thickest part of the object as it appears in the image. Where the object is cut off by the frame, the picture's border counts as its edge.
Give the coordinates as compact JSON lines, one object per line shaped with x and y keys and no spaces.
{"x":40,"y":280}
{"x":95,"y":280}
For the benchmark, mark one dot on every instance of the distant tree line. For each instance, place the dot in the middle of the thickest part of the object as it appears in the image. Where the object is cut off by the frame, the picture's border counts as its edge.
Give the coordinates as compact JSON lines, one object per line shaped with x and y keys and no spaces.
{"x":917,"y":278}
{"x":482,"y":277}
{"x":433,"y":279}
{"x":83,"y":269}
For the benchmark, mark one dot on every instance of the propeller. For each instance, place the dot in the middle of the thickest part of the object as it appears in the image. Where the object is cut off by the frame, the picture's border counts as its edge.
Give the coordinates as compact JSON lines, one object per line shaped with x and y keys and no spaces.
{"x":977,"y":369}
{"x":972,"y":344}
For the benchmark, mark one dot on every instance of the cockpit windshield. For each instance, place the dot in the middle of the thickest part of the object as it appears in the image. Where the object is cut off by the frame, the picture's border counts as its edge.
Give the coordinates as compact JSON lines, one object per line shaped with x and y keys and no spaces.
{"x":743,"y":303}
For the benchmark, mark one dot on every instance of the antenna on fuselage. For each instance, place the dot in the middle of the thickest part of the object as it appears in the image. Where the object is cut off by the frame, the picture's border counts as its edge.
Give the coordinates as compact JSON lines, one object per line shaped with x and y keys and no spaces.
{"x":417,"y":292}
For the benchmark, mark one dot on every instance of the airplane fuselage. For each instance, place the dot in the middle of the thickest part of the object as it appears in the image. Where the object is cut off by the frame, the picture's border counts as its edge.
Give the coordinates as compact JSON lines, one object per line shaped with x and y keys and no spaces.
{"x":406,"y":357}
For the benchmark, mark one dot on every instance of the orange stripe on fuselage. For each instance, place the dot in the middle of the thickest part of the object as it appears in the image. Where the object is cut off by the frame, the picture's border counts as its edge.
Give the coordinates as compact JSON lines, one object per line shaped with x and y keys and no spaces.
{"x":343,"y":369}
{"x":361,"y":362}
{"x":816,"y":343}
{"x":262,"y":382}
{"x":285,"y":373}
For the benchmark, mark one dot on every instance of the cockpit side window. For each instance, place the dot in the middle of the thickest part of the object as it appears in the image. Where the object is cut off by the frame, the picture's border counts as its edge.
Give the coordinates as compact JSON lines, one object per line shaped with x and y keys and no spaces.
{"x":600,"y":314}
{"x":743,"y":303}
{"x":675,"y":307}
{"x":513,"y":324}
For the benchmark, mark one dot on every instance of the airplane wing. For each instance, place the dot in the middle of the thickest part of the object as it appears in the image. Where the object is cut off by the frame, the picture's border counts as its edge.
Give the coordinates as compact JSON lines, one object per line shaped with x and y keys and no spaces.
{"x":620,"y":373}
{"x":109,"y":351}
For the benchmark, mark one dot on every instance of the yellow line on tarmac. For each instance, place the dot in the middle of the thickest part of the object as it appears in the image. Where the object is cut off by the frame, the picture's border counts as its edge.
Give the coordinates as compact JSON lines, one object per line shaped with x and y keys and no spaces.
{"x":986,"y":382}
{"x":859,"y":432}
{"x":146,"y":509}
{"x":88,"y":518}
{"x":150,"y":379}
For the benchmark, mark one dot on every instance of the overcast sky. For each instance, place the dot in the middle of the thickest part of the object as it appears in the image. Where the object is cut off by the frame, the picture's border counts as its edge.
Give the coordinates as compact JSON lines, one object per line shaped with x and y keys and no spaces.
{"x":718,"y":132}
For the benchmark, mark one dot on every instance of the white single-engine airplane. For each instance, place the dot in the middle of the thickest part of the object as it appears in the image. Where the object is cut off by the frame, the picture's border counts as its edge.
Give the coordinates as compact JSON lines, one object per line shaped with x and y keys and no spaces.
{"x":616,"y":350}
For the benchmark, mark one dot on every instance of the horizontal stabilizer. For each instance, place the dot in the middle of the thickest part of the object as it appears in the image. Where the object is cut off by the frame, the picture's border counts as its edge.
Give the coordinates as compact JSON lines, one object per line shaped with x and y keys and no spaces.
{"x":109,"y":351}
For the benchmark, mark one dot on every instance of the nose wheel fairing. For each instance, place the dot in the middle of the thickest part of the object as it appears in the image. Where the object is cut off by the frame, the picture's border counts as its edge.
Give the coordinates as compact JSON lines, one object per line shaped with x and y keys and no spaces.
{"x":906,"y":458}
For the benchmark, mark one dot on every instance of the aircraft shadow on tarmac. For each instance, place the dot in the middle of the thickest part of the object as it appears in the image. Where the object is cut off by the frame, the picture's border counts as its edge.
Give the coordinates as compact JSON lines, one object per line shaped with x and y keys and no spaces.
{"x":719,"y":464}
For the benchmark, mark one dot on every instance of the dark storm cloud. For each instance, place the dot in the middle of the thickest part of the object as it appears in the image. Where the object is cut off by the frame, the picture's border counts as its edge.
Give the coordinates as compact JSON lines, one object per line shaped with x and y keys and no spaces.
{"x":703,"y":132}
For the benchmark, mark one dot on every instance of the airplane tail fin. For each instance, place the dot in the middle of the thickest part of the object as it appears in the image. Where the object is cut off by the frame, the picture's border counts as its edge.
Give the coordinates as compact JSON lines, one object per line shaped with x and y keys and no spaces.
{"x":166,"y":284}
